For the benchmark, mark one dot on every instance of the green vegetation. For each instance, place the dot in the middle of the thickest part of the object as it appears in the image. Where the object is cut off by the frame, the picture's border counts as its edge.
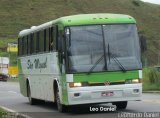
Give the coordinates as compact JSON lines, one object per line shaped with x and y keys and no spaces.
{"x":6,"y":114}
{"x":1,"y":110}
{"x":16,"y":15}
{"x":1,"y":113}
{"x":151,"y":77}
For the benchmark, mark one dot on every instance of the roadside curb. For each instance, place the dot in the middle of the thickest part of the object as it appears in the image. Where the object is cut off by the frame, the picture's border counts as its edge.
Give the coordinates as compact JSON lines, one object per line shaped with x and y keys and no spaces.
{"x":16,"y":113}
{"x":151,"y":92}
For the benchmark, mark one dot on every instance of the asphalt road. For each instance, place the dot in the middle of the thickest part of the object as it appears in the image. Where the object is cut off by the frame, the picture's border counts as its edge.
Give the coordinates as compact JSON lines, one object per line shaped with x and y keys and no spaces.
{"x":11,"y":98}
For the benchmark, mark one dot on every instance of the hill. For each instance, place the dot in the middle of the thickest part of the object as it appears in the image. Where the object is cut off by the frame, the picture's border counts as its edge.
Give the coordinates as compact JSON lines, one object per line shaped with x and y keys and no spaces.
{"x":16,"y":15}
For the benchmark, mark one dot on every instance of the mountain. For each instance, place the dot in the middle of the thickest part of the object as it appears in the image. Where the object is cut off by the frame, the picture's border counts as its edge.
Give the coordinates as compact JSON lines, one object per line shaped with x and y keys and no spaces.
{"x":16,"y":15}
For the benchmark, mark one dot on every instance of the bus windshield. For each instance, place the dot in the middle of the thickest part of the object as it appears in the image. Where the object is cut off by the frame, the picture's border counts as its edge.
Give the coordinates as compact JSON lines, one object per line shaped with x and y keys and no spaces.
{"x":87,"y":44}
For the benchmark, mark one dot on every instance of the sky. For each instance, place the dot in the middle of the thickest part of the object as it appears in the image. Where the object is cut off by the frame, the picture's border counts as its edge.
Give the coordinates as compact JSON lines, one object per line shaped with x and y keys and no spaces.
{"x":152,"y":1}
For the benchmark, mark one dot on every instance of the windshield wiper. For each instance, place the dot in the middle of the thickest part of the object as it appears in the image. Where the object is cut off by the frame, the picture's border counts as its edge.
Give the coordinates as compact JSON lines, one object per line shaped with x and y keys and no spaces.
{"x":109,"y":55}
{"x":115,"y":59}
{"x":97,"y":62}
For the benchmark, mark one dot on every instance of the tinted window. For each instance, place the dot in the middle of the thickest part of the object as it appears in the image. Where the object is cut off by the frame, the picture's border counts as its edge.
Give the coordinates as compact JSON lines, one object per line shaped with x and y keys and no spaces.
{"x":85,"y":48}
{"x":37,"y":42}
{"x":19,"y":46}
{"x":34,"y":43}
{"x":53,"y":39}
{"x":29,"y":46}
{"x":116,"y":46}
{"x":41,"y":41}
{"x":22,"y":45}
{"x":31,"y":43}
{"x":47,"y":40}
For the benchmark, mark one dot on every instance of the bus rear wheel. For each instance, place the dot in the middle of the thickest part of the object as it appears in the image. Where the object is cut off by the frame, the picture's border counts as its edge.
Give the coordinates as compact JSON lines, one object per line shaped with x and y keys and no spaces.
{"x":121,"y":105}
{"x":32,"y":101}
{"x":60,"y":107}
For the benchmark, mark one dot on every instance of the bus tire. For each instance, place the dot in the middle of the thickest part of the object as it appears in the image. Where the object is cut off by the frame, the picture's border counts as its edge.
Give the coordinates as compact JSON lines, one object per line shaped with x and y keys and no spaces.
{"x":60,"y":107}
{"x":121,"y":105}
{"x":31,"y":100}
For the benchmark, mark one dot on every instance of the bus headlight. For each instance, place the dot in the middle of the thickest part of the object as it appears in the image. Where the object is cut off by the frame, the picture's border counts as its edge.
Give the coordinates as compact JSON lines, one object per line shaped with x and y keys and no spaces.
{"x":75,"y":84}
{"x":132,"y":81}
{"x":135,"y":80}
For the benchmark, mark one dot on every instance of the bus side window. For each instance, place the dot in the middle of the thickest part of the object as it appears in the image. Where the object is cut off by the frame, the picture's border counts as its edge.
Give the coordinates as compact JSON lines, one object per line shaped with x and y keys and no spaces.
{"x":25,"y":45}
{"x":19,"y":46}
{"x":47,"y":40}
{"x":56,"y":37}
{"x":22,"y":46}
{"x":34,"y":43}
{"x":53,"y":38}
{"x":60,"y":41}
{"x":50,"y":38}
{"x":41,"y":41}
{"x":37,"y":42}
{"x":60,"y":46}
{"x":44,"y":40}
{"x":29,"y":46}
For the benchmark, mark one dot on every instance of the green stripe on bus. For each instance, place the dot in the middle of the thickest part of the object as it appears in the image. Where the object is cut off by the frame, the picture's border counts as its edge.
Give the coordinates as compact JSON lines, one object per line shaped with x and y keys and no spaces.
{"x":64,"y":90}
{"x":105,"y":76}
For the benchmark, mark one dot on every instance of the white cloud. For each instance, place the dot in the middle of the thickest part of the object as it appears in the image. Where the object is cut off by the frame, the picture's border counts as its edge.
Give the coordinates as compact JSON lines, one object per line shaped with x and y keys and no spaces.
{"x":152,"y":1}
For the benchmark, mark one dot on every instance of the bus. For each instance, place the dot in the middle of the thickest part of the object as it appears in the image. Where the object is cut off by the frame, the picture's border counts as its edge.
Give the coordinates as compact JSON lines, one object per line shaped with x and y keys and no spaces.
{"x":81,"y":59}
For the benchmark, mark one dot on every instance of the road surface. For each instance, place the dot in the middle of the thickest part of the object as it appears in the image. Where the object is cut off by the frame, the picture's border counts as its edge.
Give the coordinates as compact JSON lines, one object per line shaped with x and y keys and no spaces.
{"x":11,"y":98}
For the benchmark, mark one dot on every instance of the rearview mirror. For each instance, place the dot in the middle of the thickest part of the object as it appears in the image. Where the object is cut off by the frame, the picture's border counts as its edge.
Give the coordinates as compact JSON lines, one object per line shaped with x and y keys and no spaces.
{"x":143,"y":43}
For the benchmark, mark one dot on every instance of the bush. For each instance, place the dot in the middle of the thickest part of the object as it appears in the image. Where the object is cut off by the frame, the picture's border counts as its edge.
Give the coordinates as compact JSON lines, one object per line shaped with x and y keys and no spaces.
{"x":151,"y":77}
{"x":154,"y":75}
{"x":136,"y":3}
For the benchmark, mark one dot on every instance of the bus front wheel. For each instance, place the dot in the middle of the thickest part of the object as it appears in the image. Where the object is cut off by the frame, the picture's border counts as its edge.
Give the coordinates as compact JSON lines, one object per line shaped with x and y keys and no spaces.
{"x":60,"y":107}
{"x":120,"y":105}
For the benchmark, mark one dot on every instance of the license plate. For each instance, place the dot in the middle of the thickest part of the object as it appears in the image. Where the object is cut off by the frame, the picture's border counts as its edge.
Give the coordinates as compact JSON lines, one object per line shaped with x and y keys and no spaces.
{"x":107,"y":93}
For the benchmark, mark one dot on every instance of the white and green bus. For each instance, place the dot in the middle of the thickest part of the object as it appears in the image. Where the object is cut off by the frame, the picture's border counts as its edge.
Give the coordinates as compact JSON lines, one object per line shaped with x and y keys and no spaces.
{"x":81,"y":59}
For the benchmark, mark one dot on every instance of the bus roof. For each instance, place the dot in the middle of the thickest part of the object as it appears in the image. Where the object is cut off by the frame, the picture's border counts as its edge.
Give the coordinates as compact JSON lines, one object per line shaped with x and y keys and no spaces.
{"x":83,"y":19}
{"x":100,"y":18}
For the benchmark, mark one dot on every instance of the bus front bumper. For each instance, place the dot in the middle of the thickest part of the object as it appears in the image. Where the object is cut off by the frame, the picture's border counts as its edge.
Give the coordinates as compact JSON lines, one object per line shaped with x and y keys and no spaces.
{"x":104,"y":94}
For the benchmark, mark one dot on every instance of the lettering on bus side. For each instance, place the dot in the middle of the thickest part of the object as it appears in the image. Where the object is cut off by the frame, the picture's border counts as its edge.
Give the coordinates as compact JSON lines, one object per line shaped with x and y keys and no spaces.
{"x":37,"y":64}
{"x":29,"y":64}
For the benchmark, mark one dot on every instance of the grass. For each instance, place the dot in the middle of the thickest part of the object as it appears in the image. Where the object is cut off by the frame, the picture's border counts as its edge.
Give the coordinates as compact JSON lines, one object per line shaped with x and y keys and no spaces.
{"x":1,"y":110}
{"x":6,"y":114}
{"x":147,"y":85}
{"x":2,"y":113}
{"x":16,"y":15}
